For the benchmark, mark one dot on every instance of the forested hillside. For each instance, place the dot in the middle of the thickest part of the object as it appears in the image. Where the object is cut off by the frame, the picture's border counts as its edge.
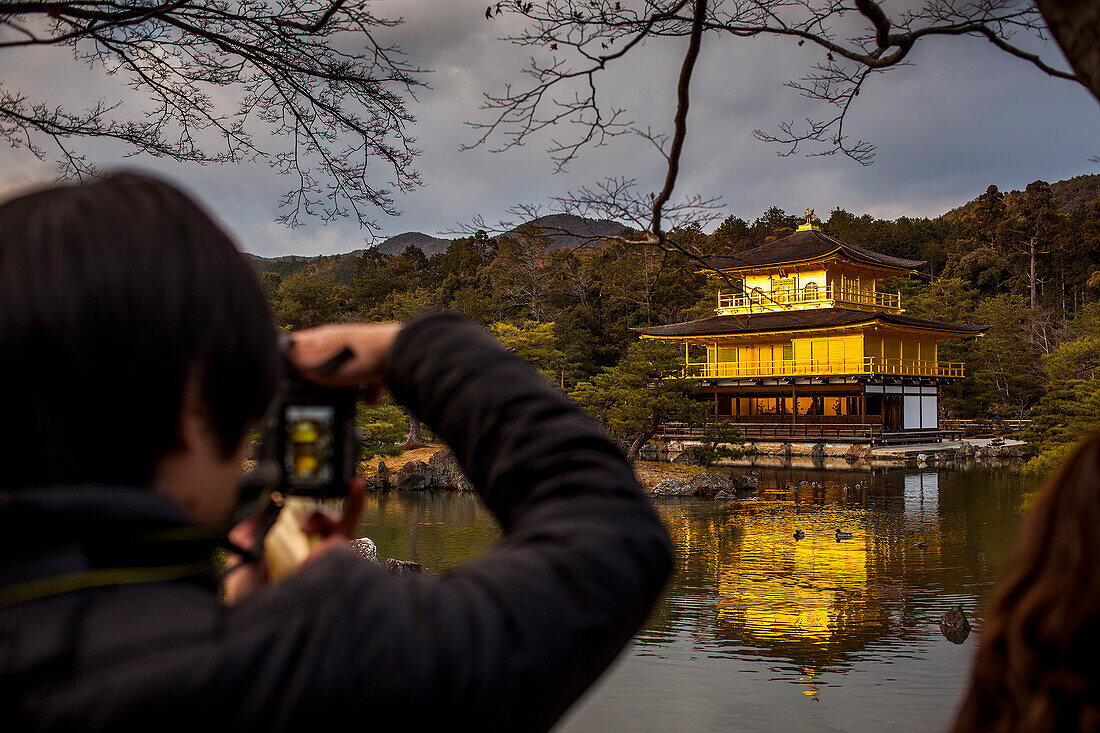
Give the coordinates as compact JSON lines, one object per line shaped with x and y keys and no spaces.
{"x":558,"y":230}
{"x":1022,"y":264}
{"x":339,"y":269}
{"x":427,"y":244}
{"x":1069,"y":195}
{"x":1076,"y":193}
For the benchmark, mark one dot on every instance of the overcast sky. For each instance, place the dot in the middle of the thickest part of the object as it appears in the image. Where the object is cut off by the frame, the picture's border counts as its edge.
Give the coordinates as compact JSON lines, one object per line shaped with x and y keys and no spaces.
{"x":962,"y":117}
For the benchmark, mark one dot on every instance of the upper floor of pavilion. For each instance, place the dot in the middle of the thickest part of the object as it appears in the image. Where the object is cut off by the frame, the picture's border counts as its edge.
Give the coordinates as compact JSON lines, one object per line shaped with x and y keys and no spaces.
{"x":807,"y":270}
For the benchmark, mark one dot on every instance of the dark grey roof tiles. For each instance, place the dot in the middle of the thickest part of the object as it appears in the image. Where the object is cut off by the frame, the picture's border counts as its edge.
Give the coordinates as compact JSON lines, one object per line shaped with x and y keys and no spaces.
{"x":788,"y":320}
{"x":805,"y":245}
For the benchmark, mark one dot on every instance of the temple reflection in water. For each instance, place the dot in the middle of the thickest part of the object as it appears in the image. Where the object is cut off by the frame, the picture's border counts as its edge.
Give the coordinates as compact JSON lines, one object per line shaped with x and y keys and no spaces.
{"x":759,"y":632}
{"x":811,"y":600}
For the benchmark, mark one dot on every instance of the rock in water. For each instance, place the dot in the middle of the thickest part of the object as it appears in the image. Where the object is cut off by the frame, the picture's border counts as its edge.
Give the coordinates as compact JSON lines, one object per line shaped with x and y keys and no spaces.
{"x":364,"y":547}
{"x":954,"y":625}
{"x":380,"y":481}
{"x":414,"y":476}
{"x":724,"y":496}
{"x":403,"y":567}
{"x":854,"y":453}
{"x":745,"y":483}
{"x":671,"y":487}
{"x":689,"y":456}
{"x":708,"y":484}
{"x":447,"y":472}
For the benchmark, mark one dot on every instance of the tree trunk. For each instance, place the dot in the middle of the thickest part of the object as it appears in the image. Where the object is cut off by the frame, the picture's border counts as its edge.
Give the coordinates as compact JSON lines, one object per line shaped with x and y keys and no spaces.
{"x":1034,"y":299}
{"x":636,"y":446}
{"x":1075,"y":25}
{"x":415,"y":438}
{"x":643,"y":438}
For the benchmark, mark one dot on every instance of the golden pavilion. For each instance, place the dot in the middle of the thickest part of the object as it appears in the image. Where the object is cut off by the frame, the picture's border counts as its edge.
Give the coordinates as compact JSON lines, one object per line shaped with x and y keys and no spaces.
{"x":808,"y":347}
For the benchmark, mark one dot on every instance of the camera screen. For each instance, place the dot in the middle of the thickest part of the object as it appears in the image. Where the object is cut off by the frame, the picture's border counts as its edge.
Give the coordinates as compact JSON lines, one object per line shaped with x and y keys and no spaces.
{"x":309,"y":443}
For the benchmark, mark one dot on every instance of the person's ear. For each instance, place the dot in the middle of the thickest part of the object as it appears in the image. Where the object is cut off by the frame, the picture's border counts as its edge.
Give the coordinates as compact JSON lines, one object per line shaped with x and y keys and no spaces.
{"x":194,"y":431}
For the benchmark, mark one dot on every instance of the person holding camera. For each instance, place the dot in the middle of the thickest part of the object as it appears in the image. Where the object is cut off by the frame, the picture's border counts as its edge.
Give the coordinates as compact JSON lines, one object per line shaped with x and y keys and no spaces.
{"x":136,"y":349}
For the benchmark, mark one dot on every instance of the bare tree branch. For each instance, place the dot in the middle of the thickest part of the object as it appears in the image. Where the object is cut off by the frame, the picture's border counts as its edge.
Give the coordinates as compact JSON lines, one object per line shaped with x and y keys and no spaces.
{"x":585,"y":39}
{"x":683,"y":87}
{"x":336,"y":120}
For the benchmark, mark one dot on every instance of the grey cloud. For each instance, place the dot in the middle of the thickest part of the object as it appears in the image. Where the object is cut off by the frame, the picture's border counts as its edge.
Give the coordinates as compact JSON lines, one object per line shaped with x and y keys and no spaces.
{"x":963,"y":117}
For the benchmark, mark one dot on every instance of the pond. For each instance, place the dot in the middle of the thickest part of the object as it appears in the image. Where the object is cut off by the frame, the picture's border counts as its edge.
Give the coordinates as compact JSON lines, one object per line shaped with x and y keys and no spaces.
{"x":760,"y":631}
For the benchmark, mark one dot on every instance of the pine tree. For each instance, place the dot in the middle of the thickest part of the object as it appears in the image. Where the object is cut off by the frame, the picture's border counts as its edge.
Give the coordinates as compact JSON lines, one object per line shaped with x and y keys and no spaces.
{"x":644,"y":390}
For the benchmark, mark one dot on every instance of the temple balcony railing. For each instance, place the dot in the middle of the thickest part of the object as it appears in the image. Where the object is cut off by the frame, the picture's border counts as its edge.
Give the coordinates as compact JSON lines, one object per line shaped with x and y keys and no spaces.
{"x":820,"y":297}
{"x":824,"y":367}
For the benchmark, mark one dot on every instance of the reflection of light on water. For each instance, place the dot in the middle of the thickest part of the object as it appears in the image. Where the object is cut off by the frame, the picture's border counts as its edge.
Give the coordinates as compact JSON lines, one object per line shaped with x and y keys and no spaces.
{"x":788,"y":590}
{"x":813,"y":601}
{"x":877,"y":658}
{"x":922,"y":493}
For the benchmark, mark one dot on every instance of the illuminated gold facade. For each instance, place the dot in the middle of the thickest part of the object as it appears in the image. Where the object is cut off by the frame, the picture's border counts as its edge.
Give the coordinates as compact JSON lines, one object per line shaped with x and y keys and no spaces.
{"x":809,"y":337}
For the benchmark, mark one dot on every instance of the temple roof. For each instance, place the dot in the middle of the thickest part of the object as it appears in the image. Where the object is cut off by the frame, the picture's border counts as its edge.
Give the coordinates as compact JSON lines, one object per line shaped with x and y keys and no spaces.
{"x":799,"y":319}
{"x":807,"y":244}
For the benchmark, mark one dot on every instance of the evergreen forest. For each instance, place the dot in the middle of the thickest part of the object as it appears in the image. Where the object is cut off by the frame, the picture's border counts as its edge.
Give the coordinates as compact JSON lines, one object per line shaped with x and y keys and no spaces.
{"x":1024,"y":263}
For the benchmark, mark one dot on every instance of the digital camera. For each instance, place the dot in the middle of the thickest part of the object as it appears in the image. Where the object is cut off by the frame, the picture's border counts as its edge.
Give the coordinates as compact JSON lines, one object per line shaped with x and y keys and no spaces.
{"x":315,"y":437}
{"x":310,"y":445}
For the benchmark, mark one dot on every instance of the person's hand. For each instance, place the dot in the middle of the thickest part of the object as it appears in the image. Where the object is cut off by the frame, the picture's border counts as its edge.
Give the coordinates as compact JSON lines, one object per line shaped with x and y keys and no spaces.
{"x":336,"y":531}
{"x":369,"y":342}
{"x":242,"y":579}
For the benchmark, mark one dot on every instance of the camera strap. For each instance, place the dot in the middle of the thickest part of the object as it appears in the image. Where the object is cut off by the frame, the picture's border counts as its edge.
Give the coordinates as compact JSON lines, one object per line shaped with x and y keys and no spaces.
{"x":56,"y":584}
{"x":170,"y":554}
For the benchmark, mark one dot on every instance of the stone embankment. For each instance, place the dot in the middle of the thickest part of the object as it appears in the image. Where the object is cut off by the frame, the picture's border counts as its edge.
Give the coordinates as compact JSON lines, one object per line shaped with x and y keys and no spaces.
{"x":679,"y":451}
{"x":708,"y":486}
{"x":440,"y":471}
{"x":435,"y":467}
{"x":748,"y":488}
{"x":981,"y":450}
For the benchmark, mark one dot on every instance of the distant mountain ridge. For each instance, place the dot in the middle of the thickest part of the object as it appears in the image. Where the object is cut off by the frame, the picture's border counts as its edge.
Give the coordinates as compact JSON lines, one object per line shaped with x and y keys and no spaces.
{"x":568,"y":230}
{"x":338,"y":268}
{"x":1077,"y":192}
{"x":1069,"y":195}
{"x":562,"y":230}
{"x":428,"y":244}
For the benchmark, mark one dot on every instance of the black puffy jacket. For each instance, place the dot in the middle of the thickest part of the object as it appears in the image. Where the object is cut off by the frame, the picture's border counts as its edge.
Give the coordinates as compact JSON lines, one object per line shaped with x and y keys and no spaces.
{"x":505,"y":642}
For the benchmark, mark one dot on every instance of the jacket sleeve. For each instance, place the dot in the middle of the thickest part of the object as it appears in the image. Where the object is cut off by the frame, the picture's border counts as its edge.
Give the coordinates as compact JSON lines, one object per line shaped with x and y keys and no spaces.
{"x":510,"y":640}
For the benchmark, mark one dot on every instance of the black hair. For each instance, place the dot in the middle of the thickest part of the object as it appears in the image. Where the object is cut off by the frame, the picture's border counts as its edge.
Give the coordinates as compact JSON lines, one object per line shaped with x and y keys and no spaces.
{"x":113,"y":294}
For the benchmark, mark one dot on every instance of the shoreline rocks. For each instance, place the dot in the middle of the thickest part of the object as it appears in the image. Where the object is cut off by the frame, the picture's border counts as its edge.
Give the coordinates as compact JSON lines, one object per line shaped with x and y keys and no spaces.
{"x":708,"y":486}
{"x":403,"y":567}
{"x":446,"y":472}
{"x":671,"y":487}
{"x":690,"y":456}
{"x":365,"y":548}
{"x":414,"y":476}
{"x":954,"y":625}
{"x":440,"y":471}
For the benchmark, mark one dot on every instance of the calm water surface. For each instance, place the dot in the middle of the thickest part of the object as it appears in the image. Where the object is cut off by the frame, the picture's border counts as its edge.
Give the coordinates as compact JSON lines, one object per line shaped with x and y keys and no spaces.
{"x":758,"y":631}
